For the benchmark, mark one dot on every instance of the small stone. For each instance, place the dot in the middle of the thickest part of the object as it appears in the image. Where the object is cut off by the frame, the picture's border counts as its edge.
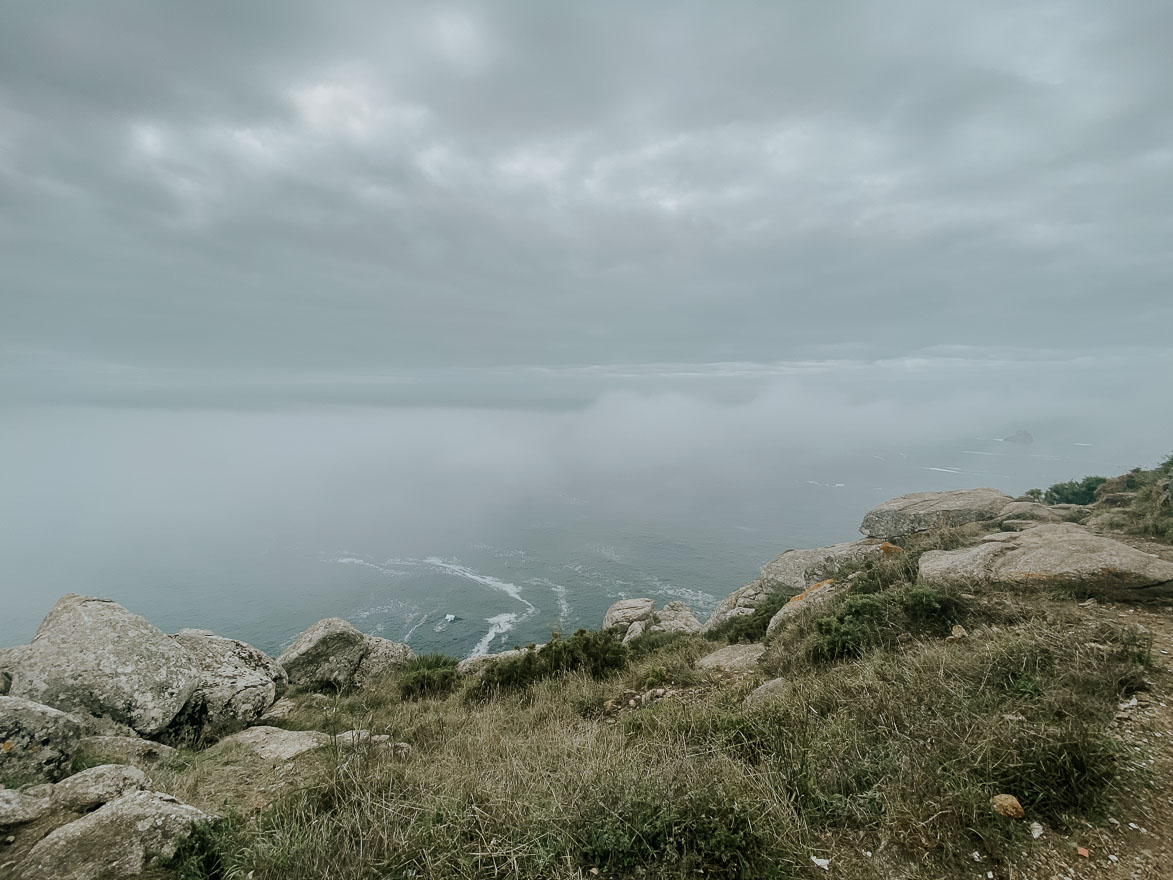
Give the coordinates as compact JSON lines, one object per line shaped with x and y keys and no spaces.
{"x":825,"y":864}
{"x":1112,"y":858}
{"x":1036,"y":830}
{"x":1007,"y":805}
{"x":957,"y":634}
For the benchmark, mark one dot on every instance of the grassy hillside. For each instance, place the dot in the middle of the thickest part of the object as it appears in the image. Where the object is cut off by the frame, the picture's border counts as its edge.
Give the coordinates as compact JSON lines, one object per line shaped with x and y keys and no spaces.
{"x":905,"y":711}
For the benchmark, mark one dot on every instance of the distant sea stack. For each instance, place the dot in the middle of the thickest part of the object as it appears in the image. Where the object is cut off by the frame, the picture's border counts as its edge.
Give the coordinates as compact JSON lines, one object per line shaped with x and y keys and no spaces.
{"x":1021,"y":437}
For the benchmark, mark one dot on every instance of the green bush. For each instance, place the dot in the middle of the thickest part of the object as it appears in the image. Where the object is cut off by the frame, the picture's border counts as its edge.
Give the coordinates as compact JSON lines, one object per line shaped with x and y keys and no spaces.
{"x":1074,"y":491}
{"x":592,"y":652}
{"x":429,"y":675}
{"x":749,"y":627}
{"x":651,"y":642}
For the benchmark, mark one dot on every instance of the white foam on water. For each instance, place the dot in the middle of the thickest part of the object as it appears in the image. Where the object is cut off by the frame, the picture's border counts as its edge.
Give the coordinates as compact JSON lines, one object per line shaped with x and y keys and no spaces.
{"x":453,"y":568}
{"x":423,"y":620}
{"x":498,"y":625}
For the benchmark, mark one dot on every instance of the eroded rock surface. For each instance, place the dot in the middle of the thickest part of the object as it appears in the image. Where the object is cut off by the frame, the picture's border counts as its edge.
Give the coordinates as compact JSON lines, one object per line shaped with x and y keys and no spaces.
{"x":93,"y":656}
{"x":124,"y":838}
{"x":237,"y":683}
{"x":96,"y":786}
{"x":732,"y":658}
{"x":1052,"y":555}
{"x":919,"y":511}
{"x":37,"y":742}
{"x":331,"y":653}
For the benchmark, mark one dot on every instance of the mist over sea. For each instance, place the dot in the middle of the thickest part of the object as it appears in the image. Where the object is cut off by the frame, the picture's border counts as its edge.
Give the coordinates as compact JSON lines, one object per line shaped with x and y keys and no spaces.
{"x":466,"y":528}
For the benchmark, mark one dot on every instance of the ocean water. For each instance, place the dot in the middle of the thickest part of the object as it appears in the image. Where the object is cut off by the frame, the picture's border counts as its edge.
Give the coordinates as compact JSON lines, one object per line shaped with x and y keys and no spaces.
{"x":414,"y":549}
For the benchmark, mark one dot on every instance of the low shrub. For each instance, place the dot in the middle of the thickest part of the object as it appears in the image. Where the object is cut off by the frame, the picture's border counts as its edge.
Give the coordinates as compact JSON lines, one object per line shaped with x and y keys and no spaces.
{"x":429,"y":675}
{"x":749,"y":627}
{"x":594,"y":653}
{"x":1074,"y":491}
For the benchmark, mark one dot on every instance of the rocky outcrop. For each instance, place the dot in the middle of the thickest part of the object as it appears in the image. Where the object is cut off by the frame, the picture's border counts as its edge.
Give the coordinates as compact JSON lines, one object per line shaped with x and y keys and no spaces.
{"x":622,"y":614}
{"x":96,"y":786}
{"x":124,"y":838}
{"x":919,"y":511}
{"x":630,"y":618}
{"x":383,"y":655}
{"x":1052,"y":555}
{"x":93,"y":656}
{"x":237,"y":683}
{"x":274,"y":743}
{"x":732,"y":658}
{"x":762,"y":694}
{"x":37,"y":742}
{"x":816,"y":597}
{"x":331,"y":653}
{"x":796,"y":570}
{"x":741,"y":601}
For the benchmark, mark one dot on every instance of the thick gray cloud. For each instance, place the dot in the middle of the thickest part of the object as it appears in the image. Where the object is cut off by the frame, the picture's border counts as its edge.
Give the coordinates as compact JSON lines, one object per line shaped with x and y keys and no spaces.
{"x":309,"y":192}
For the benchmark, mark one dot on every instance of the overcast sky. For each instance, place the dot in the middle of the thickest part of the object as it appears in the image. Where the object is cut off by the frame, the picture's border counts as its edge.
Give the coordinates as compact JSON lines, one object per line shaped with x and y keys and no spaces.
{"x":348,"y":192}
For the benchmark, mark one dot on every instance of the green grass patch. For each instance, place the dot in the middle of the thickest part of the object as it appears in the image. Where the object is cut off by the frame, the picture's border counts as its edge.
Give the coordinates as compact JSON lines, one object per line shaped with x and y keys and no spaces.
{"x":429,"y":675}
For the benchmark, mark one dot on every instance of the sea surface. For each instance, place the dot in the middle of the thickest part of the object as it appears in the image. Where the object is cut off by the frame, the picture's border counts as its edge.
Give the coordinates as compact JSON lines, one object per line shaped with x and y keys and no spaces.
{"x":550,"y":560}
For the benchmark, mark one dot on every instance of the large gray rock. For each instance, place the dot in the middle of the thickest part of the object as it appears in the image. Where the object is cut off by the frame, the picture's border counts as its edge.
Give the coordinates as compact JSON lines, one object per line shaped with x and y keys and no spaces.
{"x":331,"y":653}
{"x":1052,"y":555}
{"x":675,"y":617}
{"x":133,"y":750}
{"x":764,"y":693}
{"x":37,"y":742}
{"x":816,"y":597}
{"x":732,"y":658}
{"x":741,"y":601}
{"x":92,"y":655}
{"x":237,"y":683}
{"x":96,"y":786}
{"x":796,"y":570}
{"x":274,"y":743}
{"x":929,"y":510}
{"x":622,"y":614}
{"x":383,"y":656}
{"x":125,"y":838}
{"x":25,"y":805}
{"x":631,"y":618}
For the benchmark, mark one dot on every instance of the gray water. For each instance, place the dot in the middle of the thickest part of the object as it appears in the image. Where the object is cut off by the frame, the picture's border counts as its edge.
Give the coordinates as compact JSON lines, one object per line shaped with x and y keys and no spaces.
{"x":515,"y":517}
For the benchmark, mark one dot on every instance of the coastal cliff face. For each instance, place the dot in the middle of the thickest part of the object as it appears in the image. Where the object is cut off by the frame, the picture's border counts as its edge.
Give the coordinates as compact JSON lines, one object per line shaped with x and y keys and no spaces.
{"x":966,"y":629}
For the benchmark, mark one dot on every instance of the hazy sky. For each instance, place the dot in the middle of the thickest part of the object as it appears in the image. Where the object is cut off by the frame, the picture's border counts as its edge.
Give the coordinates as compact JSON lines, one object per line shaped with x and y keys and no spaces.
{"x":321,"y":199}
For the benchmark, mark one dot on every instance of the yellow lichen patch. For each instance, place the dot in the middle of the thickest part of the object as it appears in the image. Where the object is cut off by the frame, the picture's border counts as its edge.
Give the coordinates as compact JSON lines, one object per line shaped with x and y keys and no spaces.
{"x":810,"y":590}
{"x":6,"y":746}
{"x":888,"y":550}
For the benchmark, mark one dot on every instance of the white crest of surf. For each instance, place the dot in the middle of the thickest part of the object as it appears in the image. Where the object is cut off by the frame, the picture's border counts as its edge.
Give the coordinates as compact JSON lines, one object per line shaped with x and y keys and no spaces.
{"x":453,"y":568}
{"x":499,"y":625}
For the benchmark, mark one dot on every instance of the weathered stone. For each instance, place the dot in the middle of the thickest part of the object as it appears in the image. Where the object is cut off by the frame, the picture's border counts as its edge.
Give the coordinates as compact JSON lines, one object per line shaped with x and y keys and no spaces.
{"x":763,"y":693}
{"x":20,"y":807}
{"x":96,"y":786}
{"x":636,"y":630}
{"x":92,"y":655}
{"x":1017,"y":525}
{"x":1007,"y":805}
{"x":1032,"y":510}
{"x":1052,"y":555}
{"x":328,"y":653}
{"x":625,"y":612}
{"x":383,"y":656}
{"x":237,"y":683}
{"x":796,"y":570}
{"x":273,"y":743}
{"x":817,"y":596}
{"x":732,"y":658}
{"x":124,"y":838}
{"x":919,"y":511}
{"x":675,"y":617}
{"x":741,"y":601}
{"x":37,"y":742}
{"x":1109,"y":521}
{"x":9,"y":657}
{"x":133,"y":750}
